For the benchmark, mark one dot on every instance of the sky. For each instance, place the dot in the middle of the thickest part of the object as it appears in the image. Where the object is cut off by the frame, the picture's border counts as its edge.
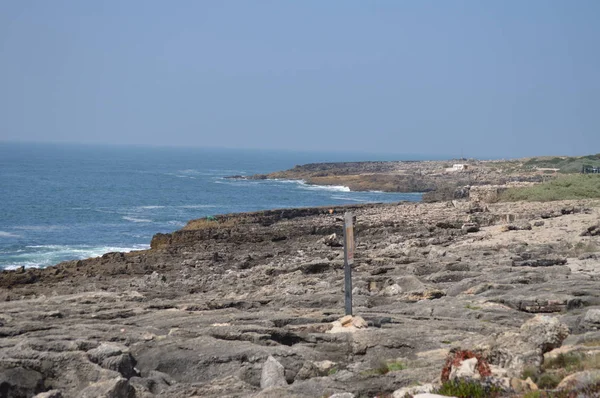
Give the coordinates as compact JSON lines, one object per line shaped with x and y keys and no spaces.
{"x":472,"y":78}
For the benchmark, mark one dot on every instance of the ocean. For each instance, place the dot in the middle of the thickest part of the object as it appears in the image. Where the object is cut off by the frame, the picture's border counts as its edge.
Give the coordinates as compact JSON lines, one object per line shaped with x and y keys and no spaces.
{"x":62,"y":202}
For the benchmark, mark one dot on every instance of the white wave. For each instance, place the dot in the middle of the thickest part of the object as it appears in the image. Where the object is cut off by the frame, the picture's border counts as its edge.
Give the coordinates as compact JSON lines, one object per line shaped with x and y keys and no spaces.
{"x":150,"y":207}
{"x":13,"y":267}
{"x":47,"y":255}
{"x":312,"y":187}
{"x":4,"y":234}
{"x":282,"y":180}
{"x":336,"y":188}
{"x":133,"y":219}
{"x":176,"y":223}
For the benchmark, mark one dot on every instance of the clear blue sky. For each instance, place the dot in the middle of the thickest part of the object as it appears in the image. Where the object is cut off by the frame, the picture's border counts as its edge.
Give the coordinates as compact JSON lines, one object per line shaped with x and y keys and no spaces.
{"x":488,"y":78}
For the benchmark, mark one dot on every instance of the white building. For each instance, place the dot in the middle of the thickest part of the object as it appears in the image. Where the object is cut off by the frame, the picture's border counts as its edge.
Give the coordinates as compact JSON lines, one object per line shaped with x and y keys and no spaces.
{"x":458,"y":167}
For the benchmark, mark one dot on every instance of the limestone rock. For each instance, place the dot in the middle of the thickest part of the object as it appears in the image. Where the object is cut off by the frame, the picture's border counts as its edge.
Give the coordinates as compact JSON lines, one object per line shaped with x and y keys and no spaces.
{"x":348,"y":324}
{"x":20,"y":382}
{"x":466,"y":370}
{"x":544,"y":332}
{"x":392,"y":290}
{"x":580,"y":380}
{"x":105,"y":350}
{"x":50,"y":394}
{"x":113,"y":388}
{"x":592,"y":318}
{"x":273,"y":374}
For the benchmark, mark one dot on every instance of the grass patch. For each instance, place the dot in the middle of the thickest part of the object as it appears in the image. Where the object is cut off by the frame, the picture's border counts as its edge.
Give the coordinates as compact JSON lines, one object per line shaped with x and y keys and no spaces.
{"x":468,"y":389}
{"x":533,"y":394}
{"x":548,"y":381}
{"x":469,"y":306}
{"x":581,"y":186}
{"x":573,"y":362}
{"x":384,"y":368}
{"x":395,"y":366}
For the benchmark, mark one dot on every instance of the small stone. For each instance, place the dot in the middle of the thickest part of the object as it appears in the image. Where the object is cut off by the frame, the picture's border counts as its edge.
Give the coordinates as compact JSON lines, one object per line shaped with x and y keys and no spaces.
{"x":273,"y":374}
{"x":592,"y":316}
{"x":50,"y":394}
{"x":392,"y":290}
{"x":346,"y":320}
{"x":359,"y":323}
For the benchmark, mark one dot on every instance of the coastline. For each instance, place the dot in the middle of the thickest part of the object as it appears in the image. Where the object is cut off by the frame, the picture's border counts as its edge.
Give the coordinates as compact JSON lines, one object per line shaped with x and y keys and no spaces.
{"x":427,"y":278}
{"x":436,"y":179}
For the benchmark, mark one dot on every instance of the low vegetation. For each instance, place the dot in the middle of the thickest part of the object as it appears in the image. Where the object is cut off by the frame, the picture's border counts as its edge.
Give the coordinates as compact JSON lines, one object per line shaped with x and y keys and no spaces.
{"x":565,"y":164}
{"x":582,"y":186}
{"x":384,"y":368}
{"x":468,"y":389}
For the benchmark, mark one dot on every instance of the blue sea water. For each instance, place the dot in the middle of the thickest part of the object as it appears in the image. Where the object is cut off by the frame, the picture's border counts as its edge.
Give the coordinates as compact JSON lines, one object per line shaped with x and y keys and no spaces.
{"x":64,"y":202}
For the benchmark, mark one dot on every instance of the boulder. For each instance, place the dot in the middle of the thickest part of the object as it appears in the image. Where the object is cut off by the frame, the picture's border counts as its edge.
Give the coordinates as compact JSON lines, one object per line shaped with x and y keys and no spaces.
{"x":124,"y":364}
{"x":20,"y":382}
{"x":544,"y":332}
{"x":273,"y":374}
{"x":466,"y":370}
{"x":580,"y":380}
{"x":103,"y":351}
{"x":112,"y":388}
{"x":592,"y":318}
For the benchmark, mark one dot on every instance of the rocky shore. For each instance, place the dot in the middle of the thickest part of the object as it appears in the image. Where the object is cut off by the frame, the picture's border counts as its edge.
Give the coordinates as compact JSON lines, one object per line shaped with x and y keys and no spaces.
{"x":252,"y":304}
{"x":438,"y":179}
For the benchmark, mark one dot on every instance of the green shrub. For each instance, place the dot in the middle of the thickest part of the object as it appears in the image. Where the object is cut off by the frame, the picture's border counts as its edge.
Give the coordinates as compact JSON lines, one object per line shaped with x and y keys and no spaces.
{"x":468,"y":389}
{"x":531,"y":372}
{"x":561,"y":188}
{"x":548,"y":381}
{"x":570,"y":361}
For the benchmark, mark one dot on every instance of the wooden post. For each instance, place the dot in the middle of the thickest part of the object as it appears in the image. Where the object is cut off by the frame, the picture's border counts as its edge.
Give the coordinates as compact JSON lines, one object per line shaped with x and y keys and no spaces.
{"x":348,"y":260}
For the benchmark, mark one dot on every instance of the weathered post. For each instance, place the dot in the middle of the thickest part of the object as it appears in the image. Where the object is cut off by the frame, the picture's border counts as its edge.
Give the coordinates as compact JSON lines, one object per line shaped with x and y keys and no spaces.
{"x":348,"y":260}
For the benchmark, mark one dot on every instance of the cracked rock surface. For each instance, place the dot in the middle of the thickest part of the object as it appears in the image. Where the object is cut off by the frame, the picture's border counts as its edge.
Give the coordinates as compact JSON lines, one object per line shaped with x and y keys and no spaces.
{"x":203,"y":311}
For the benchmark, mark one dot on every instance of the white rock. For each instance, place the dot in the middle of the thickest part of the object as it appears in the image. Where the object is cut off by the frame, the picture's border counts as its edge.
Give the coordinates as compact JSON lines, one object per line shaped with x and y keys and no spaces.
{"x":273,"y":374}
{"x":392,"y":290}
{"x":592,"y":316}
{"x":465,"y":370}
